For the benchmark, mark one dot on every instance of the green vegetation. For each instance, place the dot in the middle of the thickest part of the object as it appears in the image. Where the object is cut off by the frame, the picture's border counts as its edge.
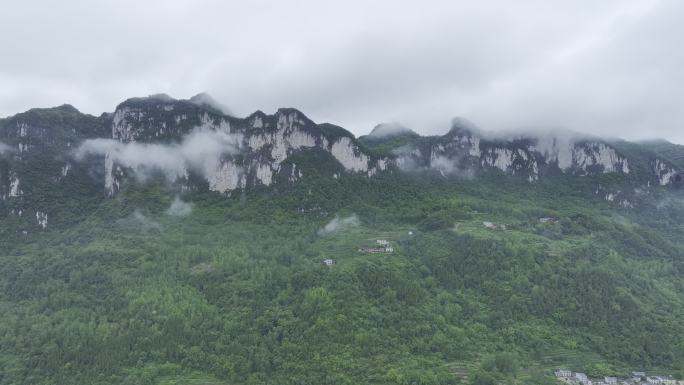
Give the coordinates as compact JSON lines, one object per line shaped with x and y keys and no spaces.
{"x":235,"y":293}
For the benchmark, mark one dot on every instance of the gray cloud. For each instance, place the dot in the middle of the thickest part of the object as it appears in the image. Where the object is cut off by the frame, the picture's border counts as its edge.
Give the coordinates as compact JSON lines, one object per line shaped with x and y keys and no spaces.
{"x":179,"y":208}
{"x":607,"y":68}
{"x":199,"y":151}
{"x":338,"y":224}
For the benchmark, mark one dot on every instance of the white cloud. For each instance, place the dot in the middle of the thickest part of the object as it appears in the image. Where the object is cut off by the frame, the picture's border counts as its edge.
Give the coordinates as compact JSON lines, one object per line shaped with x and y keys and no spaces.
{"x":179,"y":208}
{"x":5,"y":148}
{"x":199,"y":151}
{"x":338,"y":224}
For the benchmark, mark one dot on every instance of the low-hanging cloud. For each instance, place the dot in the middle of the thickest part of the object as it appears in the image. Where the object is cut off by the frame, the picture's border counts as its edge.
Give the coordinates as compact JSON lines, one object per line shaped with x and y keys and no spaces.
{"x":138,"y":220}
{"x":179,"y":208}
{"x":199,"y":151}
{"x":338,"y":224}
{"x":455,"y":167}
{"x":5,"y":149}
{"x":458,"y":167}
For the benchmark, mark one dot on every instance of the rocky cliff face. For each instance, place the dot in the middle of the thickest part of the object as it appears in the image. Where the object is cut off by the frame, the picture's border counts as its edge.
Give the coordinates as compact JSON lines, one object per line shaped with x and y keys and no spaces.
{"x":264,"y":144}
{"x":261,"y":143}
{"x":36,"y":166}
{"x":60,"y":153}
{"x":464,"y":150}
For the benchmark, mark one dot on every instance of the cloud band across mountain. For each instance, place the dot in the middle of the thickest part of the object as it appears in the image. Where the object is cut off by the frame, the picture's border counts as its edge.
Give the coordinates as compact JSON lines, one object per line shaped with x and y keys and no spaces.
{"x":200,"y":151}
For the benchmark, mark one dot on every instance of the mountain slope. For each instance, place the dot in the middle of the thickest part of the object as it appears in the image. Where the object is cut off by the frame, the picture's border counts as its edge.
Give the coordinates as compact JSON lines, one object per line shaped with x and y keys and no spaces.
{"x":235,"y":289}
{"x":538,"y":251}
{"x":37,"y":168}
{"x":193,"y":145}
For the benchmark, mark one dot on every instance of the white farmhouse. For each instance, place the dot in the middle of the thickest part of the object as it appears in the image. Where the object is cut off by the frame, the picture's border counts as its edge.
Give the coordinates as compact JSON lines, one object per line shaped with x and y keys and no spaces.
{"x":637,"y":376}
{"x":582,"y":379}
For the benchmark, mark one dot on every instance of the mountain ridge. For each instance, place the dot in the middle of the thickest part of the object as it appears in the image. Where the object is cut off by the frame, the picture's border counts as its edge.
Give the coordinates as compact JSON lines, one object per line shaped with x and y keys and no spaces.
{"x":258,"y":150}
{"x":169,"y":242}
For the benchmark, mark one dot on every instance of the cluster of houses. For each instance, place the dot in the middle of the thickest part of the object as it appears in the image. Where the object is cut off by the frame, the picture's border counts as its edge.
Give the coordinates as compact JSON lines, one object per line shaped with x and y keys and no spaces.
{"x":549,"y":220}
{"x":381,"y":246}
{"x":577,"y":378}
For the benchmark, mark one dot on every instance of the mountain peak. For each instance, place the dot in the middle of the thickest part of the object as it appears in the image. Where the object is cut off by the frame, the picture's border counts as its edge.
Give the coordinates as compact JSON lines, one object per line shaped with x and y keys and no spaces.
{"x":461,"y":125}
{"x":204,"y":99}
{"x":146,"y":101}
{"x":67,"y":108}
{"x":385,"y":130}
{"x":289,"y":110}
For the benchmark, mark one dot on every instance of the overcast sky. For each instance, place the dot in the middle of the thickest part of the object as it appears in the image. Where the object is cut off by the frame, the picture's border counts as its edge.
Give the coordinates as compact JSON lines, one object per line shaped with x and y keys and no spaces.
{"x":613,"y":68}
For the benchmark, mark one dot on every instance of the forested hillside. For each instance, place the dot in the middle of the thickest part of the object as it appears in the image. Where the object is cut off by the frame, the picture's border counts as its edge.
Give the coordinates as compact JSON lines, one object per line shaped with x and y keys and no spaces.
{"x":152,"y":287}
{"x":170,"y":243}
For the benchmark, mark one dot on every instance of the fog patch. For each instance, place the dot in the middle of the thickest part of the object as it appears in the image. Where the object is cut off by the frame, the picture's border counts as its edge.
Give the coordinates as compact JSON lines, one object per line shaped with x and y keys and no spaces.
{"x":138,"y":220}
{"x":5,"y":149}
{"x":406,"y":149}
{"x":460,"y":123}
{"x":200,"y":151}
{"x":179,"y":208}
{"x":452,"y":167}
{"x":409,"y":161}
{"x":338,"y":224}
{"x":540,"y":133}
{"x":407,"y":158}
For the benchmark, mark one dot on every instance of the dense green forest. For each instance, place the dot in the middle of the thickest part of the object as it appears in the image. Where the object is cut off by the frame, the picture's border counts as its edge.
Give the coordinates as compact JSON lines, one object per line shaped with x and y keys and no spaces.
{"x":232,"y":289}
